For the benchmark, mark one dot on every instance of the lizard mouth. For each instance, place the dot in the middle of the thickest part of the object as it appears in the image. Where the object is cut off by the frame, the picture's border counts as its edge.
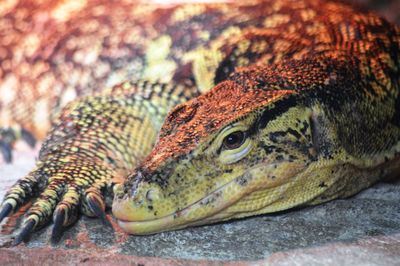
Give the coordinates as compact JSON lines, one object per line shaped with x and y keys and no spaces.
{"x":219,"y":205}
{"x":182,"y":218}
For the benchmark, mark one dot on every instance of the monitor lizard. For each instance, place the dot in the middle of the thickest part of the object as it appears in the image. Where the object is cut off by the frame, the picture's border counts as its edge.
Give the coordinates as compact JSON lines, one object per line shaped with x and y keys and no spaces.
{"x":194,"y":114}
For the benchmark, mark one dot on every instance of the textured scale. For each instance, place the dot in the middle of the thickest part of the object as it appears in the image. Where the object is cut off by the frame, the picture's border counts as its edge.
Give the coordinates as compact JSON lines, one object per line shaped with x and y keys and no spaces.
{"x":138,"y":99}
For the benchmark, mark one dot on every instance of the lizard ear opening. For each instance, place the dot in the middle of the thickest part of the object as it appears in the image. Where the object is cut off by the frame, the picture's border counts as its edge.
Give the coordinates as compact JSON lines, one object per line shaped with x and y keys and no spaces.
{"x":321,"y":133}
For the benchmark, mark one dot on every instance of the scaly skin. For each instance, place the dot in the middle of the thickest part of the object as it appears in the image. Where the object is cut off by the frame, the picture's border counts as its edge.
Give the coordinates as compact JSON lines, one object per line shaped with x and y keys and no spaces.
{"x":303,"y":108}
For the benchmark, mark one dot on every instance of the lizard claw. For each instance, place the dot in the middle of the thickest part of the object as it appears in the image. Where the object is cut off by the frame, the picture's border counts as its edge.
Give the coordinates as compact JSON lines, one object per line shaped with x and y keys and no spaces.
{"x":5,"y":149}
{"x":25,"y":232}
{"x":8,"y":136}
{"x":99,"y":211}
{"x":5,"y":211}
{"x":58,"y":221}
{"x":28,"y":137}
{"x":58,"y":224}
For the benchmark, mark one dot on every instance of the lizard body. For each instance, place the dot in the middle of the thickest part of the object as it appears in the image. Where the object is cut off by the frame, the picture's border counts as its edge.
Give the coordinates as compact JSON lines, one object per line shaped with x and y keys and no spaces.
{"x":290,"y":103}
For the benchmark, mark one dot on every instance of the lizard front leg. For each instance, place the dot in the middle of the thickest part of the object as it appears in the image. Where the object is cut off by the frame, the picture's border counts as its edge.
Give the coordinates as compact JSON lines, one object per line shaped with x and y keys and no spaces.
{"x":92,"y":145}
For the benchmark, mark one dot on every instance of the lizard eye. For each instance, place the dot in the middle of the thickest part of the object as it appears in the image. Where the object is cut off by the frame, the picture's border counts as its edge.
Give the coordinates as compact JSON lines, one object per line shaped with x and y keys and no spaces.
{"x":233,"y":140}
{"x":233,"y":143}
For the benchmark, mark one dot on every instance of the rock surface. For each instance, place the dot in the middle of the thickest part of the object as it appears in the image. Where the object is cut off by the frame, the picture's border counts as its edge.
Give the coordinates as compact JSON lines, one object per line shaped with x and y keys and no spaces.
{"x":364,"y":229}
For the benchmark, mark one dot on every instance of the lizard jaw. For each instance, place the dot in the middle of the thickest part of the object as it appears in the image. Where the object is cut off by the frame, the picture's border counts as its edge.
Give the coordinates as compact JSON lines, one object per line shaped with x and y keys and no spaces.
{"x":214,"y":207}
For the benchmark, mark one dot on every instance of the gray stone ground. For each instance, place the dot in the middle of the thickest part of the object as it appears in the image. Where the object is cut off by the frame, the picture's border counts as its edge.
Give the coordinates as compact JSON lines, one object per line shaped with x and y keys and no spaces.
{"x":362,"y":230}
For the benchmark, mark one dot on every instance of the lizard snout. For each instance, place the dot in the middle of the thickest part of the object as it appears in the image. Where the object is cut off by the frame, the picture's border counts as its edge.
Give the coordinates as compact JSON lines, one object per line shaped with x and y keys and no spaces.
{"x":147,"y":202}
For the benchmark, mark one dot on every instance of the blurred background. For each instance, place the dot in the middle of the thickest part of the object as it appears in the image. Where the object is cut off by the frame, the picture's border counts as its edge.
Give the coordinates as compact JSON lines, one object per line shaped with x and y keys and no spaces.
{"x":390,"y":9}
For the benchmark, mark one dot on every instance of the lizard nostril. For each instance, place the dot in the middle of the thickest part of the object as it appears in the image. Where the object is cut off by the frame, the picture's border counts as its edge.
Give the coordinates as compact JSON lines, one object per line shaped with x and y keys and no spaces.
{"x":152,"y":195}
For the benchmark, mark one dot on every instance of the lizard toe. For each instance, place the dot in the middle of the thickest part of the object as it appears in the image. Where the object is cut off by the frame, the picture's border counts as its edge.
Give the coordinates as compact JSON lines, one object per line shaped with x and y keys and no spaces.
{"x":93,"y":204}
{"x":66,"y":212}
{"x":20,"y":192}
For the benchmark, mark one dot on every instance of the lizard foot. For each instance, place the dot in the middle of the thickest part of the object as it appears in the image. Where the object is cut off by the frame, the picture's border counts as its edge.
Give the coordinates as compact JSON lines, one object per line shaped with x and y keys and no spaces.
{"x":67,"y":191}
{"x":8,"y":136}
{"x":76,"y":164}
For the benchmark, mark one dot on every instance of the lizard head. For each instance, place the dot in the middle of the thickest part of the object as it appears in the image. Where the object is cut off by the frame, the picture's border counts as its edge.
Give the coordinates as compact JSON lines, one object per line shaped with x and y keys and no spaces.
{"x":238,"y":150}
